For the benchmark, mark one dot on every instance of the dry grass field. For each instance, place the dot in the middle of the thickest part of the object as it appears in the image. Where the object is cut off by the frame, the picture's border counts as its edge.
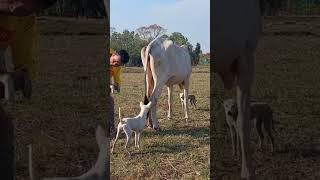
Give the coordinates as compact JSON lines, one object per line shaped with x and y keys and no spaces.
{"x":287,"y":77}
{"x":181,"y":150}
{"x":68,"y":102}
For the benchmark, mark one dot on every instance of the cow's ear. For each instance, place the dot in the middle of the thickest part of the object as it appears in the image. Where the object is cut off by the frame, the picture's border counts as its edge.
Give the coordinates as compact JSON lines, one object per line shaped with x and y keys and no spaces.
{"x":143,"y":57}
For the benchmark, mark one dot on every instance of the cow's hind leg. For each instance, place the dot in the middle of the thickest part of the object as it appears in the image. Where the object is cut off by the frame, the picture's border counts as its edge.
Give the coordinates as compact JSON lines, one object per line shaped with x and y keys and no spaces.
{"x":128,"y":133}
{"x":169,"y":101}
{"x":185,"y":100}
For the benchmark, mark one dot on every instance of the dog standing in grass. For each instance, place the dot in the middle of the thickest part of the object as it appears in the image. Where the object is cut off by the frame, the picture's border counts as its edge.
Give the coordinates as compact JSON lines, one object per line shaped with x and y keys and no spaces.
{"x":136,"y":124}
{"x":262,"y":115}
{"x":191,"y":98}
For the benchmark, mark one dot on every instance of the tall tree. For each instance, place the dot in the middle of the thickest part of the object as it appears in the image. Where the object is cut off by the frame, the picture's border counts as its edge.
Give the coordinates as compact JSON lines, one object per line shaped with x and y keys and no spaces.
{"x":149,"y":33}
{"x":197,"y":52}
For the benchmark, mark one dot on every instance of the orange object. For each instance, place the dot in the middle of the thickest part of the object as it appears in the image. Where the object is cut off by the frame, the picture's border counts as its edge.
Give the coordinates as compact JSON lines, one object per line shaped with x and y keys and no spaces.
{"x":6,"y":35}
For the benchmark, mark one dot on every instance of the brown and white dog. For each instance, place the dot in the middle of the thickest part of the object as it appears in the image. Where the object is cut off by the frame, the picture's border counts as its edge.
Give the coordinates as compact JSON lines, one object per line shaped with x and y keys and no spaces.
{"x":262,"y":115}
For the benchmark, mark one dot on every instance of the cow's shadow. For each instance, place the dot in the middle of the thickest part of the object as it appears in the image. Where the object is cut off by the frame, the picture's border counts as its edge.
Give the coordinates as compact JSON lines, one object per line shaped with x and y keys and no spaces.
{"x":199,"y":134}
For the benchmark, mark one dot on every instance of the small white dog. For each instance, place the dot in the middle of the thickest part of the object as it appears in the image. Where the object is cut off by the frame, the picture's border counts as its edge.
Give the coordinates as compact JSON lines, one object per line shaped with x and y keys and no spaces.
{"x":136,"y":124}
{"x":191,"y":98}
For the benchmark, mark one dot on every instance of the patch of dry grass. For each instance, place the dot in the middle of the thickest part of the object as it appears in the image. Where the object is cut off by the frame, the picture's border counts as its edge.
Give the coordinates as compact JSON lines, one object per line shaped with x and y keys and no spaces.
{"x":181,"y":150}
{"x":287,"y":77}
{"x":68,"y":102}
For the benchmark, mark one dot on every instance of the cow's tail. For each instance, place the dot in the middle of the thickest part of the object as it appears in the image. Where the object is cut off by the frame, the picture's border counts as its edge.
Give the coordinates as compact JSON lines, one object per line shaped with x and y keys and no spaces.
{"x":147,"y":72}
{"x":145,"y":58}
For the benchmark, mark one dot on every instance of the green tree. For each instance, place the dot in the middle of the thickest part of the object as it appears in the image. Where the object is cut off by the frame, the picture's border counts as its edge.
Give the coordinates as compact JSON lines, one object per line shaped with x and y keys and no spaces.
{"x":197,"y":51}
{"x":129,"y":41}
{"x":179,"y":39}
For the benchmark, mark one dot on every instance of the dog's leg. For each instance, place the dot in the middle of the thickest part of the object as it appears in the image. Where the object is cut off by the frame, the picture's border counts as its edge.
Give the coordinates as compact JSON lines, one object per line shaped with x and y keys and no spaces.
{"x":128,"y":134}
{"x":259,"y":131}
{"x":271,"y":141}
{"x":139,"y":138}
{"x":194,"y":103}
{"x":268,"y":130}
{"x":117,"y":136}
{"x":135,"y":139}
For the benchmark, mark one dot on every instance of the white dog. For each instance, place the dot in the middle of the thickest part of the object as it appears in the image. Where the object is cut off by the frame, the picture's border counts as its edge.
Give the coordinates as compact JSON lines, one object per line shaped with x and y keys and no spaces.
{"x":136,"y":124}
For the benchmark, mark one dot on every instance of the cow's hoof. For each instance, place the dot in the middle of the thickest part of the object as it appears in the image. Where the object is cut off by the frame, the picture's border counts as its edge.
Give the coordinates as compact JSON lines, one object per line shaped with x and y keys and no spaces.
{"x":247,"y":175}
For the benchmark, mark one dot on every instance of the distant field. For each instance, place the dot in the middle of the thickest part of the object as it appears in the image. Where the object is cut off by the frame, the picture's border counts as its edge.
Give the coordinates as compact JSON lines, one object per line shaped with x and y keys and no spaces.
{"x":288,"y":79}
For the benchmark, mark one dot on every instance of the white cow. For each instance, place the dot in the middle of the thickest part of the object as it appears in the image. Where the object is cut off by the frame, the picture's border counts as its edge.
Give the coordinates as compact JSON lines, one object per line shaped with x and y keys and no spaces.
{"x":165,"y":63}
{"x":236,"y":28}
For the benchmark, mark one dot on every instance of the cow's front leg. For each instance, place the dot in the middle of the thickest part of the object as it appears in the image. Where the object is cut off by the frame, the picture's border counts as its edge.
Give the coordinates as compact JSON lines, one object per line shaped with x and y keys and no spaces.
{"x":185,"y":99}
{"x":233,"y":140}
{"x":153,"y":111}
{"x":169,"y":101}
{"x":246,"y":73}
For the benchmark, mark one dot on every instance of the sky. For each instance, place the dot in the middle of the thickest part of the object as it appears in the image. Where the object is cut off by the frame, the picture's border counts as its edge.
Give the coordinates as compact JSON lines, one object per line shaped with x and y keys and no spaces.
{"x":189,"y":17}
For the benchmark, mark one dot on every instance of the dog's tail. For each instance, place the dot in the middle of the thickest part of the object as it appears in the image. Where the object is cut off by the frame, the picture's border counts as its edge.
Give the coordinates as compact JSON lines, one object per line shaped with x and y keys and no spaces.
{"x":120,"y":118}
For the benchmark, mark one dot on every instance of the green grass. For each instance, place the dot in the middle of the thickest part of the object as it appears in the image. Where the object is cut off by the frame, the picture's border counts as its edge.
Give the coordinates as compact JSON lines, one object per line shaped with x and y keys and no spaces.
{"x":181,"y":150}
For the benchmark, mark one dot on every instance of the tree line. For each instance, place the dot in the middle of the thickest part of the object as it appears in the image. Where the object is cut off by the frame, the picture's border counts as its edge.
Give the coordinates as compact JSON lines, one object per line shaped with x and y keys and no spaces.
{"x":76,"y":8}
{"x":290,"y":7}
{"x":133,"y":42}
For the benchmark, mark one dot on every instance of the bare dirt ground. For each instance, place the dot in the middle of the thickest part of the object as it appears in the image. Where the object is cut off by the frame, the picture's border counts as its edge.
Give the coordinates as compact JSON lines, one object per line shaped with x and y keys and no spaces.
{"x":68,"y":102}
{"x":287,"y":77}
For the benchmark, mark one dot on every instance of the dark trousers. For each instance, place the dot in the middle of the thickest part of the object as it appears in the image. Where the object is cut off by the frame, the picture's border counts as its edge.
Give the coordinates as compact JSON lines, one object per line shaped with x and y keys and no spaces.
{"x":7,"y":160}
